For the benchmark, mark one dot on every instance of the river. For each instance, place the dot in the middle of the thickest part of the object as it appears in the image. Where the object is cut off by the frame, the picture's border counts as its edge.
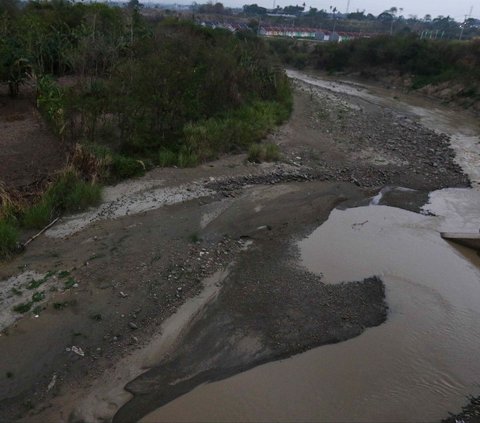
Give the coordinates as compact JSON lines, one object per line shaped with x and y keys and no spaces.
{"x":421,"y":363}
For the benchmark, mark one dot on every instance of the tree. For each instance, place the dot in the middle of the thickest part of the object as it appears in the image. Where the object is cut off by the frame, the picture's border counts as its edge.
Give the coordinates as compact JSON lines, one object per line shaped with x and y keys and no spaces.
{"x":254,"y":9}
{"x":357,"y":16}
{"x":293,"y":10}
{"x":9,"y":7}
{"x":134,"y":5}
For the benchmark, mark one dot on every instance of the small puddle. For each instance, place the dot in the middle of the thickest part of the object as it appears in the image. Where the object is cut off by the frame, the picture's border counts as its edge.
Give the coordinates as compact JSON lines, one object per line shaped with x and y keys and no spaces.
{"x":418,"y":366}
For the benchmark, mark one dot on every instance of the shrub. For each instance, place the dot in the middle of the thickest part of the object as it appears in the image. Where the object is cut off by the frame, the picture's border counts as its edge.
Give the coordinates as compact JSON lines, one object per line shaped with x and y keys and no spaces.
{"x":38,"y":216}
{"x":69,"y":193}
{"x":167,"y":158}
{"x":235,"y":131}
{"x":272,"y":152}
{"x":187,"y":158}
{"x":115,"y":166}
{"x":123,"y":167}
{"x":8,"y":238}
{"x":255,"y":153}
{"x":263,"y":153}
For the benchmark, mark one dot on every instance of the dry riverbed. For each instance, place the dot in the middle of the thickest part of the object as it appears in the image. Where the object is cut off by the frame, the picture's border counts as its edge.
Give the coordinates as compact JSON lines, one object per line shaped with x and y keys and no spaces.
{"x":191,"y":276}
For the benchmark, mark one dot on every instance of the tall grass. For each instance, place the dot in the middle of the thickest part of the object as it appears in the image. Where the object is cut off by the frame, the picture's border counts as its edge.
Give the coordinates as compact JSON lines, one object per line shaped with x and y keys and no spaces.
{"x":8,"y":238}
{"x":115,"y":166}
{"x":236,"y":131}
{"x":69,"y":193}
{"x":263,"y":153}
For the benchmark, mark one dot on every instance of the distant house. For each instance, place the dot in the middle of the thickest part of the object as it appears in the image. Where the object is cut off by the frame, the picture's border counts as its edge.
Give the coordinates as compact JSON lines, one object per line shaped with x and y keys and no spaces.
{"x":335,"y":37}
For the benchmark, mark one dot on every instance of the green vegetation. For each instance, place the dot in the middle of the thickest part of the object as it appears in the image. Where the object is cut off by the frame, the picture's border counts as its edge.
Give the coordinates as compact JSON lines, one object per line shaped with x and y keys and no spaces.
{"x":263,"y":153}
{"x":8,"y":238}
{"x":33,"y":284}
{"x":23,"y":307}
{"x":134,"y":94}
{"x":142,"y":93}
{"x":431,"y":61}
{"x":69,"y":283}
{"x":424,"y":61}
{"x":38,"y":296}
{"x":69,"y":193}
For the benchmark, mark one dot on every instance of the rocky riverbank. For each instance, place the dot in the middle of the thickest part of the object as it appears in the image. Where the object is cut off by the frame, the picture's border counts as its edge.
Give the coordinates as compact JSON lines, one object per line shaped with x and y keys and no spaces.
{"x":148,"y":250}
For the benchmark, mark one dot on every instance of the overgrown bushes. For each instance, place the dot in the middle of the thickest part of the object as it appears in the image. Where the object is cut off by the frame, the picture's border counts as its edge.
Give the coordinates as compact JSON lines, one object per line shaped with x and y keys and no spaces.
{"x":235,"y":132}
{"x":187,"y":83}
{"x":135,"y":95}
{"x":8,"y":238}
{"x":428,"y":61}
{"x":68,"y":193}
{"x":183,"y":95}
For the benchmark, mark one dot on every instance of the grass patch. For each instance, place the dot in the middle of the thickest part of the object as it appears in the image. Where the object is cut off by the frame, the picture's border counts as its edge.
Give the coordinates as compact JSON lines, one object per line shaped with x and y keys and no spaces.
{"x":38,"y":296}
{"x":35,"y":283}
{"x":69,"y":283}
{"x":263,"y":153}
{"x":23,"y":307}
{"x":115,"y":166}
{"x":8,"y":238}
{"x":38,"y":216}
{"x":124,"y":167}
{"x":167,"y":158}
{"x":235,"y":131}
{"x":69,"y":193}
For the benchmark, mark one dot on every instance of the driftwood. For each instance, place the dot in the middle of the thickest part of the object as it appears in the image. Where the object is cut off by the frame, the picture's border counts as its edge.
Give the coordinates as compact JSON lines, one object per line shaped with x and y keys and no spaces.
{"x":40,"y":233}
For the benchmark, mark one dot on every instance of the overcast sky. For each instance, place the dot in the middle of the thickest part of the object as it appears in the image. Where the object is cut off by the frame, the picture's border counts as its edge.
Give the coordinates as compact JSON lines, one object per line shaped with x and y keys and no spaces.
{"x":456,"y":9}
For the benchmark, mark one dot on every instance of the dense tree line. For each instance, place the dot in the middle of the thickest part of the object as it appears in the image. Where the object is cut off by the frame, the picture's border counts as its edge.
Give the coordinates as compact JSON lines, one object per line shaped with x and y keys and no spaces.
{"x":391,"y":21}
{"x":132,"y":86}
{"x":424,"y":61}
{"x":432,"y":61}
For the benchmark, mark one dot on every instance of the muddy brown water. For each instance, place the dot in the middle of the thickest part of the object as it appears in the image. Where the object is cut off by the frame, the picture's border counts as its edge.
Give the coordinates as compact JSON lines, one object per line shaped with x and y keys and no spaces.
{"x":416,"y":367}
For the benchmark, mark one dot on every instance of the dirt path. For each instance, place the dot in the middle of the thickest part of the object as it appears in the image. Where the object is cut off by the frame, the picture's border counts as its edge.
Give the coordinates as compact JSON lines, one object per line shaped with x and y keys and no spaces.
{"x":29,"y":152}
{"x":108,"y":279}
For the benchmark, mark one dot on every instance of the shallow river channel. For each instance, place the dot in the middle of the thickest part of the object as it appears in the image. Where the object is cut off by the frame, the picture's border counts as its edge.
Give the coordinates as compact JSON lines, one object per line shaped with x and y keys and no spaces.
{"x":417,"y":366}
